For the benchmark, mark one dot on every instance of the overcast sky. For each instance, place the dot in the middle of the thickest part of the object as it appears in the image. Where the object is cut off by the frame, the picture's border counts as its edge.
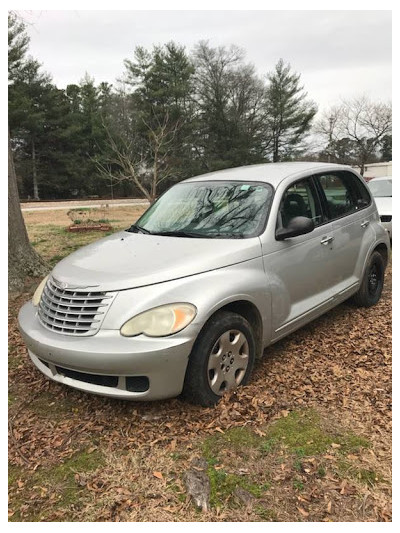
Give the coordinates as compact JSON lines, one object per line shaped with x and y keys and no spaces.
{"x":338,"y":53}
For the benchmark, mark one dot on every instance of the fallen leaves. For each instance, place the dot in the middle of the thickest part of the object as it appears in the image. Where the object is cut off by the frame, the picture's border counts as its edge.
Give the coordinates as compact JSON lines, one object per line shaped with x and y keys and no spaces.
{"x":302,"y":511}
{"x":340,"y":363}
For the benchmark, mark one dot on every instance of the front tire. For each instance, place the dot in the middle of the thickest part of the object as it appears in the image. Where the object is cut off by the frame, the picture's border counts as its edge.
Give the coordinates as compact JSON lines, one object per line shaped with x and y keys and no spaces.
{"x":371,"y":286}
{"x":222,"y":359}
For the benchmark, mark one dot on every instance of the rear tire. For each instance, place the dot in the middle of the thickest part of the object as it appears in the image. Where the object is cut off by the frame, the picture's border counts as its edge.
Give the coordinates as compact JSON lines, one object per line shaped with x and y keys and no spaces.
{"x":371,"y":286}
{"x":222,"y":359}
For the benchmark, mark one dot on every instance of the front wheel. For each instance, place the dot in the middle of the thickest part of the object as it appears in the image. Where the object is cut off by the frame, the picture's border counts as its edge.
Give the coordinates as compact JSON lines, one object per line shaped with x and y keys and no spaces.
{"x":371,"y":286}
{"x":222,"y":359}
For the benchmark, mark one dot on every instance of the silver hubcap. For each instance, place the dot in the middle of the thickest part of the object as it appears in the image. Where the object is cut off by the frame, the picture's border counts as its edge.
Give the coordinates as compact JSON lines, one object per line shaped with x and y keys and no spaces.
{"x":228,"y":361}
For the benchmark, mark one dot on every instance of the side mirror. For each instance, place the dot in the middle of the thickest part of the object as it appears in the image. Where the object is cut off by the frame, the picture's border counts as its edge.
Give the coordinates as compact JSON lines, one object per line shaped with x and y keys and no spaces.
{"x":297,"y":226}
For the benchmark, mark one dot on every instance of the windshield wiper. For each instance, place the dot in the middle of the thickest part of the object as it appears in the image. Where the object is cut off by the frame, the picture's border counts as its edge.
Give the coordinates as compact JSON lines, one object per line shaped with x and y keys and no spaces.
{"x":181,"y":233}
{"x":227,"y":235}
{"x":194,"y":235}
{"x":138,"y":229}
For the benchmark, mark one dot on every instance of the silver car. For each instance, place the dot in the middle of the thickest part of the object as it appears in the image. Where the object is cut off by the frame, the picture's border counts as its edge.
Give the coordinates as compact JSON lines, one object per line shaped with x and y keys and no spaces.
{"x":381,"y":190}
{"x":218,"y":268}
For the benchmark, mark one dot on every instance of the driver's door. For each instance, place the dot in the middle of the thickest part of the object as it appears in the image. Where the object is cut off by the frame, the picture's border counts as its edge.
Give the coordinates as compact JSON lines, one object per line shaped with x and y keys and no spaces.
{"x":298,"y":268}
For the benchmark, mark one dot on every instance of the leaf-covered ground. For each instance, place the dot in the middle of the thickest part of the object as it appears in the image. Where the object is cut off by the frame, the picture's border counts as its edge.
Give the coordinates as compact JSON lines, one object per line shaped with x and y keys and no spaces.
{"x":308,"y":440}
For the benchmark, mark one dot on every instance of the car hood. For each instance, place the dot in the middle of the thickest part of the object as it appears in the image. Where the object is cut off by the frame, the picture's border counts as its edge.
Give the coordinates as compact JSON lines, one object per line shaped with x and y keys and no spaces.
{"x":384,"y":205}
{"x":128,"y":260}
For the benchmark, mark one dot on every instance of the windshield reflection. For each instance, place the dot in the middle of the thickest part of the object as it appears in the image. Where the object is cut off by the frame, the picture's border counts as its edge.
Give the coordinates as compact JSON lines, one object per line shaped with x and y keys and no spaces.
{"x":209,"y":209}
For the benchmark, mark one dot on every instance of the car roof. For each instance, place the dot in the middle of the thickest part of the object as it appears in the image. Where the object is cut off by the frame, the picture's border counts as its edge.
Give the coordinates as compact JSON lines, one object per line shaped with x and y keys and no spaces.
{"x":382,"y":178}
{"x":272,"y":173}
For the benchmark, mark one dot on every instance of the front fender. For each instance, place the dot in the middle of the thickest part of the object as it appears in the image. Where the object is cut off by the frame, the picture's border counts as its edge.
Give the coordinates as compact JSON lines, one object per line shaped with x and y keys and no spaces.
{"x":209,"y":292}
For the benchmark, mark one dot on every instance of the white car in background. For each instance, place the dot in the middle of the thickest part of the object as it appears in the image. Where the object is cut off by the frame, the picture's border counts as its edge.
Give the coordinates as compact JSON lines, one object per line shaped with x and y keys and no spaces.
{"x":381,"y":189}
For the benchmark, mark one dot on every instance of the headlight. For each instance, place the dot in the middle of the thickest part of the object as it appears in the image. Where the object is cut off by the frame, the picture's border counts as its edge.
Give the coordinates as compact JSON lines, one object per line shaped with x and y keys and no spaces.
{"x":38,"y":292}
{"x":160,"y":321}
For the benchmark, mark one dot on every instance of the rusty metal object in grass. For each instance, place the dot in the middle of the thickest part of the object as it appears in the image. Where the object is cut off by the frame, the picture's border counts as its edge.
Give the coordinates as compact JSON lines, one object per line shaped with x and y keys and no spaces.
{"x":87,"y":219}
{"x":89,"y":227}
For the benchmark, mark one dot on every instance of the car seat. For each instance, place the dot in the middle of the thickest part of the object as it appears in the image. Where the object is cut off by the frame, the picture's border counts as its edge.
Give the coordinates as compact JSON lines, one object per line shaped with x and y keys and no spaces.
{"x":293,"y":206}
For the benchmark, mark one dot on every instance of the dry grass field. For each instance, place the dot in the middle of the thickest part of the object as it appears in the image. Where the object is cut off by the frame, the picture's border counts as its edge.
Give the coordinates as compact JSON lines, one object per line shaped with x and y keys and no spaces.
{"x":309,"y":439}
{"x":47,"y":230}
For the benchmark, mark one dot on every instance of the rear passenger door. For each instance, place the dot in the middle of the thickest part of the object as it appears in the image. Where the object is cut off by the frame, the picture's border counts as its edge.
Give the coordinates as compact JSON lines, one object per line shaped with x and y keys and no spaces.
{"x":345,"y":202}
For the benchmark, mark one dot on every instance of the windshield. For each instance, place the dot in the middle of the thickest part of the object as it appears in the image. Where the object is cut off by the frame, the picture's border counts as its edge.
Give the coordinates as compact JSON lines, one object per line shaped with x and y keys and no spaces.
{"x":220,"y":209}
{"x":380,"y":188}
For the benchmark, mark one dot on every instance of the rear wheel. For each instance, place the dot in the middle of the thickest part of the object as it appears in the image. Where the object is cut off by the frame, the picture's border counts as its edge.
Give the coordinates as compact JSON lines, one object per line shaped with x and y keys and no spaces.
{"x":371,"y":286}
{"x":221,"y":360}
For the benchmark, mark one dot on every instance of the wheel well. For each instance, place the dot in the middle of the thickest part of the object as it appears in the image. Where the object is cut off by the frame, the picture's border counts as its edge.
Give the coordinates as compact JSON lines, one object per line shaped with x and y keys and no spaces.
{"x":250,"y":312}
{"x":382,"y":249}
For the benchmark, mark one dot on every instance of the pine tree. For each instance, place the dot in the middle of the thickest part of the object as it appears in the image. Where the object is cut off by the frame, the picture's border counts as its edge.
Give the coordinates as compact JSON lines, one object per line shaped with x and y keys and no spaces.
{"x":27,"y":116}
{"x":18,"y":42}
{"x":289,"y":113}
{"x":229,"y":99}
{"x":152,"y":129}
{"x":161,"y":86}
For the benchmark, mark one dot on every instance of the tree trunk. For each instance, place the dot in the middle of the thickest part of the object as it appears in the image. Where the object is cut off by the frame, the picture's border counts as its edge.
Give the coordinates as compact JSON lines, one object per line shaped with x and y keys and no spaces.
{"x":362,"y":165}
{"x":153,"y":190}
{"x":276,"y":157}
{"x":34,"y":173}
{"x":23,"y":261}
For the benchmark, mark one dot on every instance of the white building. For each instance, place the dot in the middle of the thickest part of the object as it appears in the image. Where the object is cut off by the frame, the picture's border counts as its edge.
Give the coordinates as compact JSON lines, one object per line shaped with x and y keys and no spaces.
{"x":376,"y":170}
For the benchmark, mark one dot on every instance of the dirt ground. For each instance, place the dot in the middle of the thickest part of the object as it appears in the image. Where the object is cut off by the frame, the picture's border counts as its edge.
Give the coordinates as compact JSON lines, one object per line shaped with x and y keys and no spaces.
{"x":309,"y":439}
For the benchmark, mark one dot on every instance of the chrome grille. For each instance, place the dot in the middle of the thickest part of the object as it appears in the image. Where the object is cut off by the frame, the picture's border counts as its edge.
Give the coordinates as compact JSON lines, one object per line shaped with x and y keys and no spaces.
{"x":73,"y":311}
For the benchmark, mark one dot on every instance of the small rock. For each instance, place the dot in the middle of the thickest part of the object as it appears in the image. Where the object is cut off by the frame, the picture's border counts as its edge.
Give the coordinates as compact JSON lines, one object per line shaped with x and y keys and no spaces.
{"x":198,"y":484}
{"x":149,"y":418}
{"x":244,"y":496}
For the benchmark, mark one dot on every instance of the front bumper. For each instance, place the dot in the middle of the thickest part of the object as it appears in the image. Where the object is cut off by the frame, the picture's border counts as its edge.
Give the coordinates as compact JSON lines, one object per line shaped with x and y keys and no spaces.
{"x":87,"y":363}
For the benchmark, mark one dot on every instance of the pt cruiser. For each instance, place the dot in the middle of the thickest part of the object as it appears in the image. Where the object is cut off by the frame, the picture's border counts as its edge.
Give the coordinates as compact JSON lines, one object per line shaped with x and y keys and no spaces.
{"x":219,"y":267}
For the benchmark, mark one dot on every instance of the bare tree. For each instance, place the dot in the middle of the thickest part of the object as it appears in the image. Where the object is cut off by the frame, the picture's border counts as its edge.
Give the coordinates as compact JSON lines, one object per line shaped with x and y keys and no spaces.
{"x":361,"y":123}
{"x":366,"y":123}
{"x":327,"y":127}
{"x":143,"y":163}
{"x":23,"y":261}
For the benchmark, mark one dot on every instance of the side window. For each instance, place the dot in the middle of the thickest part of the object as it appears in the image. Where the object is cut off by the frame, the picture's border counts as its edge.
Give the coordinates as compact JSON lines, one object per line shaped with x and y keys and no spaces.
{"x":344,"y":194}
{"x":339,"y":194}
{"x":300,"y":200}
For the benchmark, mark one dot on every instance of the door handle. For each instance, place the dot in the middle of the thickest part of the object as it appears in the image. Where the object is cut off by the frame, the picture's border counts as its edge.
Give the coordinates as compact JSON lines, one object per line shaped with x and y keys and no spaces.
{"x":327,"y":240}
{"x":365,"y":223}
